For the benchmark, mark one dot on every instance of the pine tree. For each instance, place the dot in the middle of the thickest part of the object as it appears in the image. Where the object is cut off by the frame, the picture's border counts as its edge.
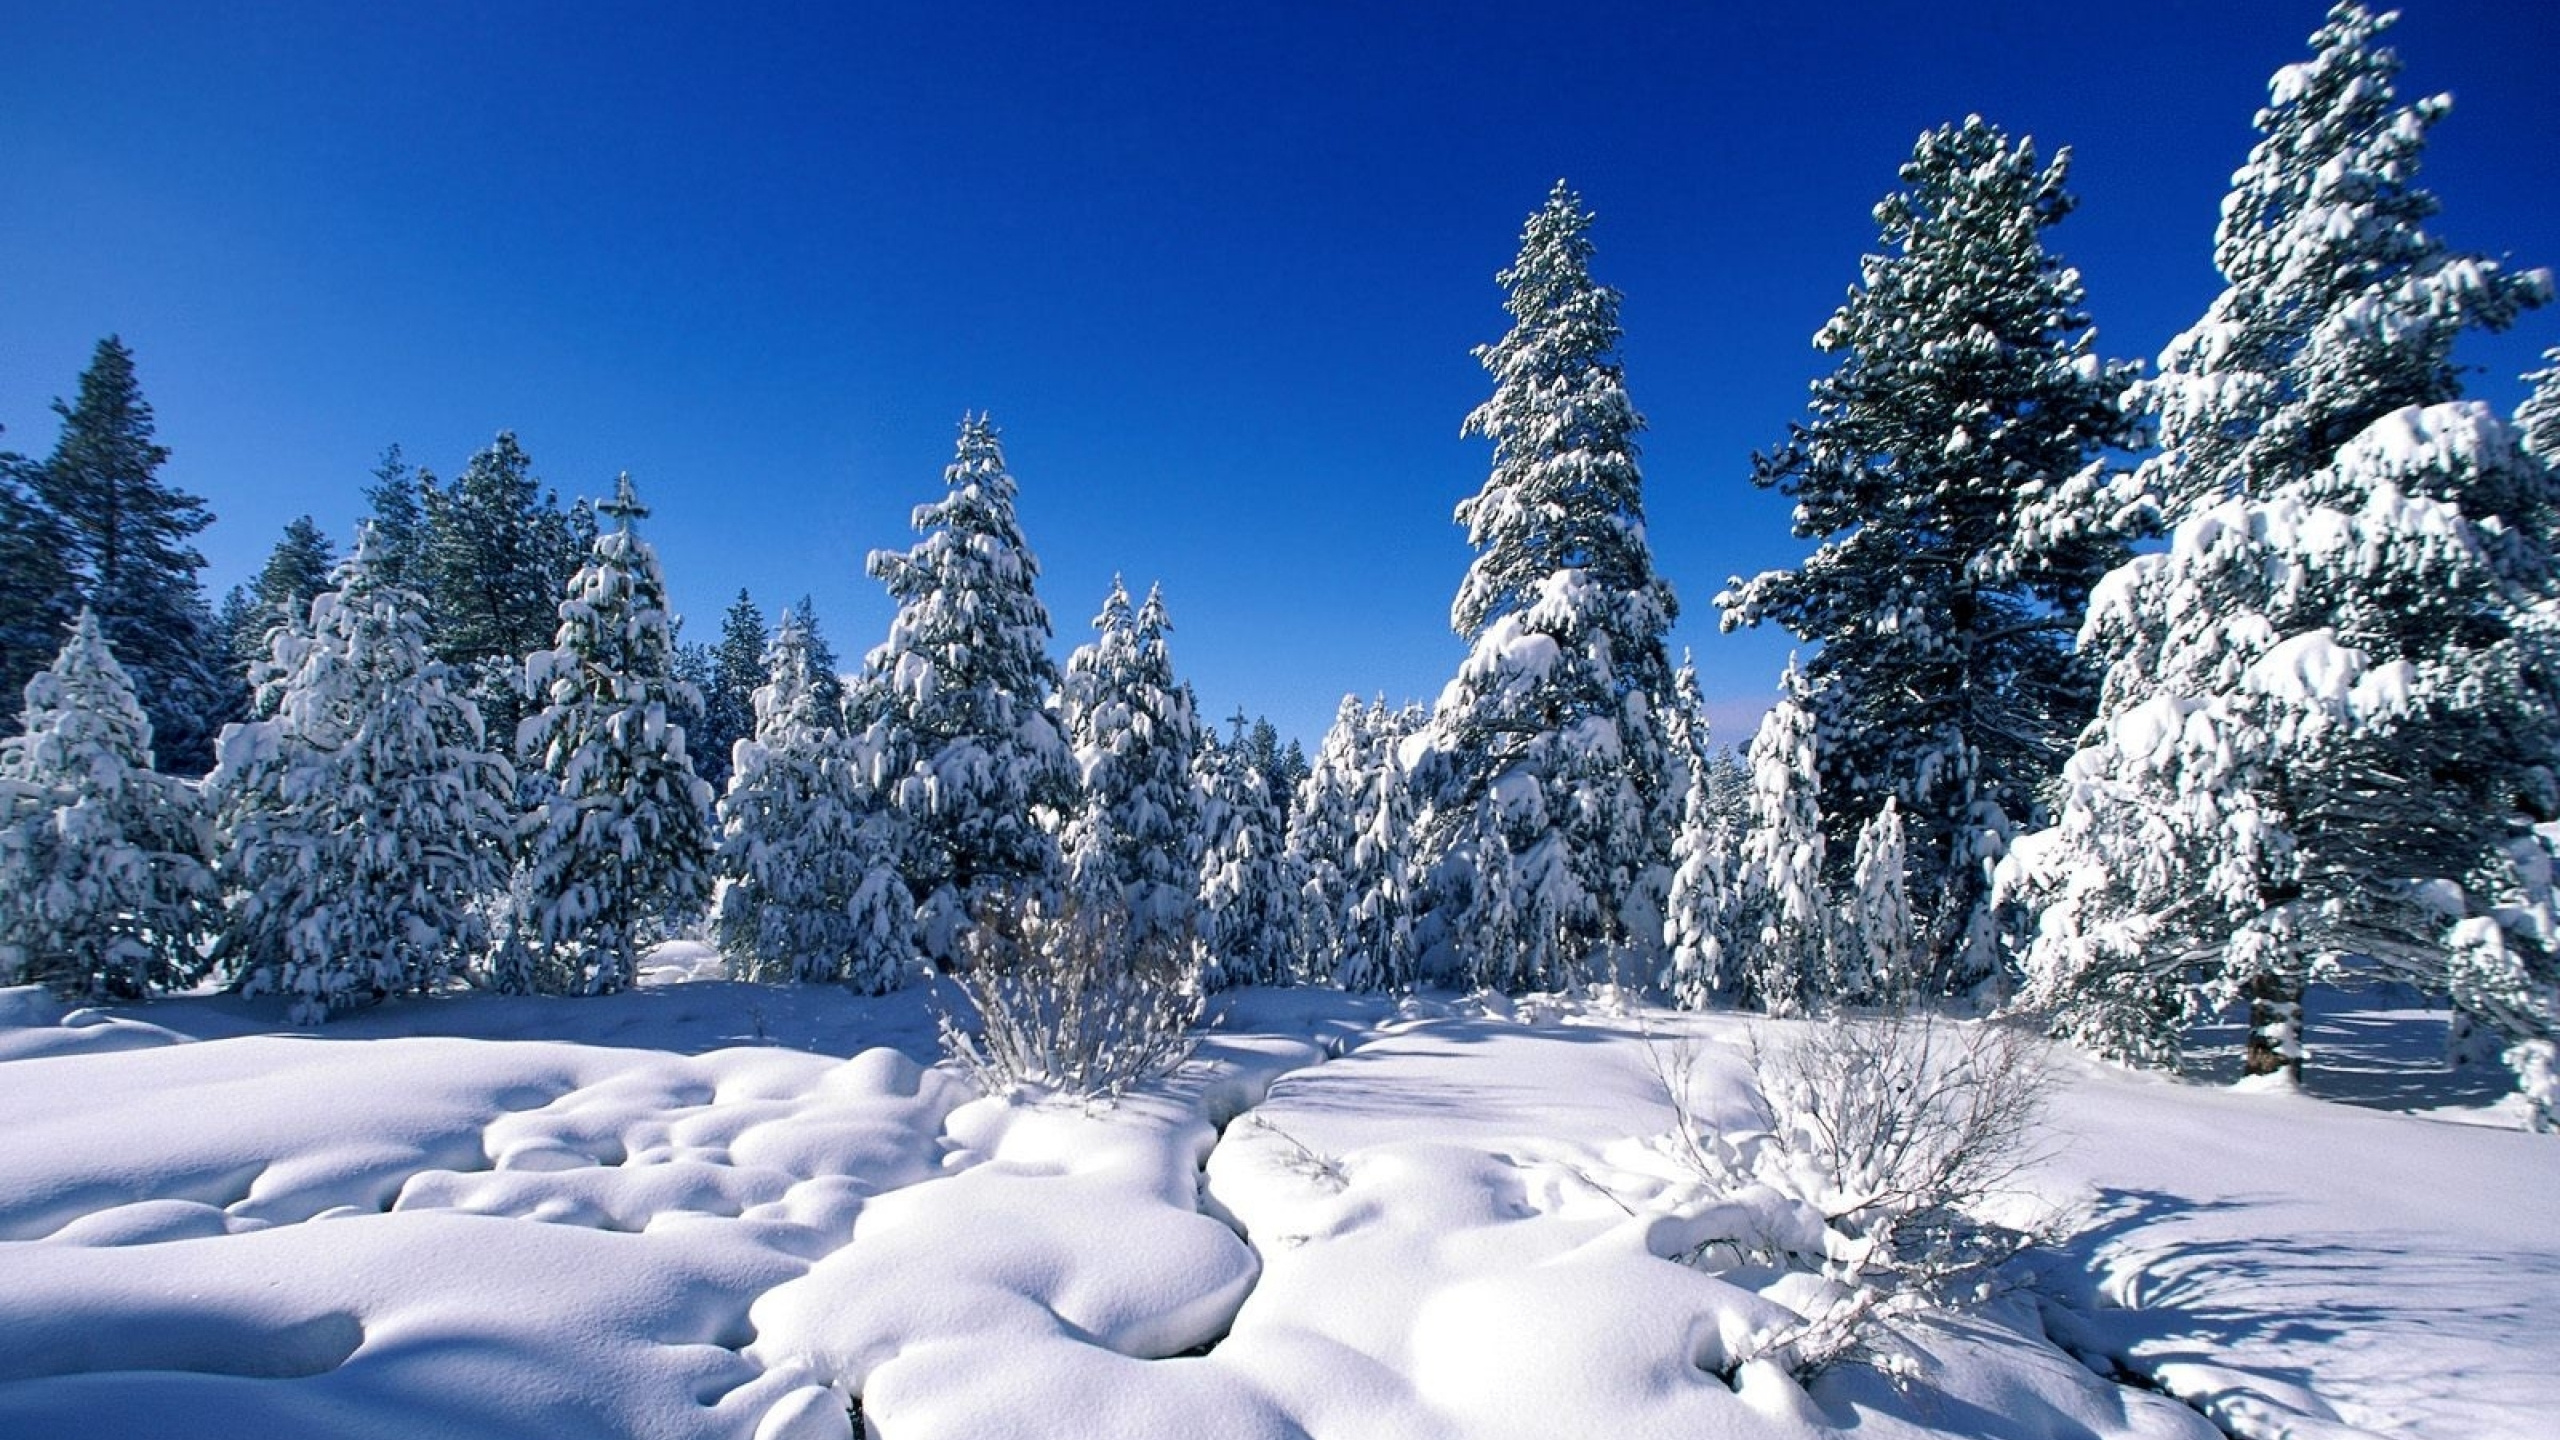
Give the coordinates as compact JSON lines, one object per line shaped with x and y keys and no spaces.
{"x":2329,"y":707}
{"x":1380,"y":949}
{"x":959,"y":707}
{"x":1552,"y":723}
{"x":1324,"y":828}
{"x":825,"y":677}
{"x":623,"y":839}
{"x":127,"y":535}
{"x":1780,"y":939}
{"x":397,"y":506}
{"x":105,"y":884}
{"x":1953,"y":470}
{"x":365,"y":817}
{"x":2340,"y":307}
{"x":729,"y":699}
{"x":809,"y":888}
{"x":38,"y":591}
{"x":2539,"y":416}
{"x":1247,"y":914}
{"x":498,"y":553}
{"x":1877,"y":929}
{"x":2331,"y":715}
{"x":1702,"y":857}
{"x":1133,"y":844}
{"x":298,"y":569}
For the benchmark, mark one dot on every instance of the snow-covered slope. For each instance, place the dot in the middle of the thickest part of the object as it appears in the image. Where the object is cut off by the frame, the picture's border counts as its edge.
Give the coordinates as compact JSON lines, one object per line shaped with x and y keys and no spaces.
{"x":703,"y":1209}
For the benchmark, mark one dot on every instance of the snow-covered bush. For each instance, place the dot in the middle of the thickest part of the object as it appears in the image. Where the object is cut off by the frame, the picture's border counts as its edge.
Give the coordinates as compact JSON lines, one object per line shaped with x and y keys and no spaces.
{"x":1878,"y":1148}
{"x":1067,"y":997}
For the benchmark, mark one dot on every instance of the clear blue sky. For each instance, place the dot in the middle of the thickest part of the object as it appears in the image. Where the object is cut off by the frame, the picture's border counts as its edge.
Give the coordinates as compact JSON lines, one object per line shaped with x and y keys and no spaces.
{"x":1215,"y":268}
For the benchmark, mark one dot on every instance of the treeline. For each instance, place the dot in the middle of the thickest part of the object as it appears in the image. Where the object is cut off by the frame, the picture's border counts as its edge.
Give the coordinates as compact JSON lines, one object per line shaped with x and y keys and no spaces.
{"x":2135,"y":698}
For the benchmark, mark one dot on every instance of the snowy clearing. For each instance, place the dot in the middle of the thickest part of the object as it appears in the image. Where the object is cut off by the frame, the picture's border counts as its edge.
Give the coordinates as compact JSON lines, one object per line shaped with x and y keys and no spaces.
{"x":705,"y":1209}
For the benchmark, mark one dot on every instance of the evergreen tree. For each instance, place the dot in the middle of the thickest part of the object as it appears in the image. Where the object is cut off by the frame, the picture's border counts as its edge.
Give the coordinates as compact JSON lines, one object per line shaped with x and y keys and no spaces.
{"x":297,"y":571}
{"x":2328,"y":712}
{"x":1702,"y":857}
{"x":1877,"y":928}
{"x":127,"y":536}
{"x":623,"y":839}
{"x":1349,"y":855}
{"x":809,"y":888}
{"x":1323,"y":830}
{"x":729,"y":699}
{"x":364,"y":817}
{"x":959,"y":705}
{"x":1133,"y":844}
{"x":1552,"y":723}
{"x":1952,"y":469}
{"x":2539,"y":416}
{"x":1780,"y":940}
{"x":498,"y":553}
{"x":2340,"y":307}
{"x":1247,"y":918}
{"x":38,"y":591}
{"x":104,"y":876}
{"x":826,"y":678}
{"x":397,"y":505}
{"x":2329,"y":721}
{"x":1380,"y":948}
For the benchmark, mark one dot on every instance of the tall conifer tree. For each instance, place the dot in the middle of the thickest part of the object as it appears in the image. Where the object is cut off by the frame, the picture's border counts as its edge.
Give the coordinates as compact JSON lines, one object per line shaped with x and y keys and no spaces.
{"x":958,"y":702}
{"x":129,"y":537}
{"x":623,"y":839}
{"x":1551,"y":731}
{"x":2332,"y":702}
{"x":1953,"y":469}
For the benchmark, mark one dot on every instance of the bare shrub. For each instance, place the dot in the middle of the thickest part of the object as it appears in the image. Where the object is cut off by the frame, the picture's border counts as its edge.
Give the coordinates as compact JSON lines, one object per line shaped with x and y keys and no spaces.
{"x":1065,"y":997}
{"x":1897,"y":1133}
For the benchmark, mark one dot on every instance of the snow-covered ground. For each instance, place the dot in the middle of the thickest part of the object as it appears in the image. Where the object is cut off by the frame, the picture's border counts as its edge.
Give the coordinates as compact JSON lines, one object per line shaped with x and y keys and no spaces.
{"x":704,"y":1209}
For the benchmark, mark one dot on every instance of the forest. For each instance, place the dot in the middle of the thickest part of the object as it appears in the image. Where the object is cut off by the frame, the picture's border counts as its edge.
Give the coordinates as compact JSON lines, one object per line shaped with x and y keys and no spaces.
{"x":2129,"y":698}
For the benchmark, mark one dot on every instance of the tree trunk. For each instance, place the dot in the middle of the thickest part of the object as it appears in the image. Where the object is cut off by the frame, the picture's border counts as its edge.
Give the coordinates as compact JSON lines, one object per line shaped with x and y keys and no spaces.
{"x":2275,"y":1028}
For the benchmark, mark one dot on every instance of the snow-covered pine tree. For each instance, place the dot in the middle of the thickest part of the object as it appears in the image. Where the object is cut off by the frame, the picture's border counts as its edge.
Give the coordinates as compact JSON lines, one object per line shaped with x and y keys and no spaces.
{"x":824,"y":677}
{"x":622,"y":840}
{"x":1324,"y":828}
{"x":729,"y":696}
{"x":363,"y":818}
{"x":1133,"y":844}
{"x":957,"y":703}
{"x":2539,"y":416}
{"x":1702,"y":859}
{"x":129,"y":536}
{"x":1380,"y":951}
{"x":1953,"y":468}
{"x":1553,"y":721}
{"x":1247,"y":894}
{"x":809,"y":887}
{"x":298,"y":569}
{"x":2331,"y":714}
{"x":1876,"y":924}
{"x":498,"y":551}
{"x":1779,"y":940}
{"x":2329,"y":706}
{"x":2339,"y":307}
{"x":105,"y":880}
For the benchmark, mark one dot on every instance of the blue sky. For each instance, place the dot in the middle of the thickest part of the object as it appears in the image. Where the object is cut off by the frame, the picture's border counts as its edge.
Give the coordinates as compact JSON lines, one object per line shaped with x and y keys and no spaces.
{"x":1215,"y":269}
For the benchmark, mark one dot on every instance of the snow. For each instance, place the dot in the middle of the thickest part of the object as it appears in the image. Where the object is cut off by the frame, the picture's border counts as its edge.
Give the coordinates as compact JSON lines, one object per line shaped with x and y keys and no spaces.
{"x":702,"y":1208}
